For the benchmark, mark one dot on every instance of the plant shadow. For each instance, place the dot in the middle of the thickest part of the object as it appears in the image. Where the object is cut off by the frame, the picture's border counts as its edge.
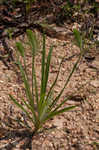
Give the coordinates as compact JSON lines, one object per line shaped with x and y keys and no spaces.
{"x":6,"y":56}
{"x":15,"y":137}
{"x":20,"y":138}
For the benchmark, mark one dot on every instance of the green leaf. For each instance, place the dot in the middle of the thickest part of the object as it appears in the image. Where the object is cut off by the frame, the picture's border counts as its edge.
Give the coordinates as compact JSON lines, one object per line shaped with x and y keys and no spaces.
{"x":20,"y":106}
{"x":36,"y":89}
{"x":40,"y":104}
{"x":34,"y":45}
{"x":47,"y":68}
{"x":43,"y":68}
{"x":42,"y":92}
{"x":28,"y":92}
{"x":54,"y":113}
{"x":27,"y":86}
{"x":96,"y":143}
{"x":45,"y":107}
{"x":66,"y":83}
{"x":53,"y":84}
{"x":60,"y":105}
{"x":78,"y":38}
{"x":27,"y":105}
{"x":33,"y":41}
{"x":20,"y":48}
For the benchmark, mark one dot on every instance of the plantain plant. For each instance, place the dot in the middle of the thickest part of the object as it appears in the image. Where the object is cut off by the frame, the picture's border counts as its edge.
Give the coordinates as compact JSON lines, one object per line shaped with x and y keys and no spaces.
{"x":46,"y":106}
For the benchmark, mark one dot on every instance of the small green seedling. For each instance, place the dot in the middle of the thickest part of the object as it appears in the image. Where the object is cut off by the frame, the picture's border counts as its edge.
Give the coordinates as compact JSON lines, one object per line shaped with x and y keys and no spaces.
{"x":46,"y":105}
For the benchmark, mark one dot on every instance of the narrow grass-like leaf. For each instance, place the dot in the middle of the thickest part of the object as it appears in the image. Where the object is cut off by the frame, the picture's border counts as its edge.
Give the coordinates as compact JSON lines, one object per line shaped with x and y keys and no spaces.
{"x":27,"y":86}
{"x":54,"y":113}
{"x":60,"y":105}
{"x":45,"y":107}
{"x":41,"y":102}
{"x":53,"y":84}
{"x":20,"y":48}
{"x":44,"y":104}
{"x":67,"y":81}
{"x":47,"y":67}
{"x":42,"y":93}
{"x":28,"y":92}
{"x":78,"y":38}
{"x":32,"y":110}
{"x":20,"y":106}
{"x":27,"y":105}
{"x":43,"y":67}
{"x":36,"y":89}
{"x":32,"y":40}
{"x":43,"y":113}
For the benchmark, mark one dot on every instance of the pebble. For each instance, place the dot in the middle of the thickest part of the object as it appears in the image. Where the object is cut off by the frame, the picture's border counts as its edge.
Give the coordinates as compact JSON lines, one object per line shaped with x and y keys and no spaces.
{"x":95,"y":83}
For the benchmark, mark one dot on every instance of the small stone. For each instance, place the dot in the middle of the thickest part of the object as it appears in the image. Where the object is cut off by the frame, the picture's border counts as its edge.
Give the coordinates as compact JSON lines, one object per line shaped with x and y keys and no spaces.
{"x":97,"y":116}
{"x":95,"y":83}
{"x":96,"y":64}
{"x":58,"y":123}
